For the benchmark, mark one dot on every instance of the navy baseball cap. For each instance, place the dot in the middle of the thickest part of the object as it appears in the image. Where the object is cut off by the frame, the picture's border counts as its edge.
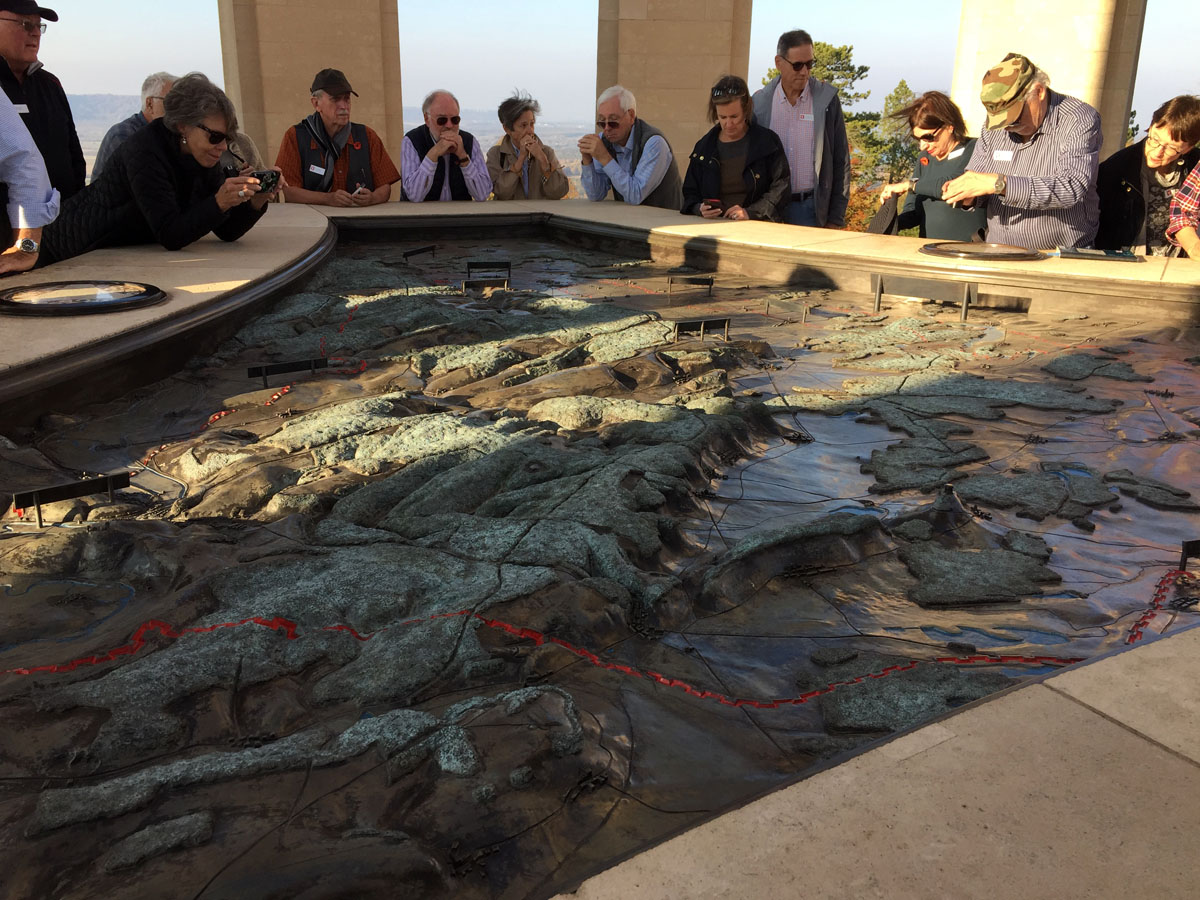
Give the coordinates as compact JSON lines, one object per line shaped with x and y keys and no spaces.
{"x":28,"y":8}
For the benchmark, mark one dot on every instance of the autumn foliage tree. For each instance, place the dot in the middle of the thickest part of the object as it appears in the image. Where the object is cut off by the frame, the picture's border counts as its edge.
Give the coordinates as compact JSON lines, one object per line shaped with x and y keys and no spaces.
{"x":875,"y":140}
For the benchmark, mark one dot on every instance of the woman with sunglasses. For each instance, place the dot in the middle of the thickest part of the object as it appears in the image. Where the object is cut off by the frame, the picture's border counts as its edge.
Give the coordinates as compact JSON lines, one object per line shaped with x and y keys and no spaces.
{"x":164,"y":184}
{"x":521,"y":166}
{"x":739,"y":170}
{"x":940,"y":132}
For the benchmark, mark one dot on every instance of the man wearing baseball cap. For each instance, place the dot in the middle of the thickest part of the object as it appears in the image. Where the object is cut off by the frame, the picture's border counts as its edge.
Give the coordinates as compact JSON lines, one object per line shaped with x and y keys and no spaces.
{"x":327,"y":160}
{"x":1035,"y":164}
{"x":38,"y":95}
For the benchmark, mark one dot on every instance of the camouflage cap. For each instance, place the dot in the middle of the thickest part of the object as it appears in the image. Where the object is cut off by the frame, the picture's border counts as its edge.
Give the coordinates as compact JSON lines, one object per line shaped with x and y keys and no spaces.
{"x":1003,"y":89}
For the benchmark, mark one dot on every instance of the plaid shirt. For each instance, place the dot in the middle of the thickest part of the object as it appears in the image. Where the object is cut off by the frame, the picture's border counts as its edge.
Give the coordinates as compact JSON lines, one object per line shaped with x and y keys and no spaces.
{"x":1185,"y":207}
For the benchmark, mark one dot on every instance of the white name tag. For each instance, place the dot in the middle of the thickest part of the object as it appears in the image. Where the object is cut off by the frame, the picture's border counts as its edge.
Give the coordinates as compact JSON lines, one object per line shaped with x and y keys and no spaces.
{"x":807,"y":117}
{"x":22,"y":108}
{"x":316,"y":170}
{"x":955,"y":154}
{"x":1002,"y":155}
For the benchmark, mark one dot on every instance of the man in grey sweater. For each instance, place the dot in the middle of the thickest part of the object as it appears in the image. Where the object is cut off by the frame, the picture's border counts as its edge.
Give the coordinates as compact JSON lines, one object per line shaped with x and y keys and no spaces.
{"x":807,"y":115}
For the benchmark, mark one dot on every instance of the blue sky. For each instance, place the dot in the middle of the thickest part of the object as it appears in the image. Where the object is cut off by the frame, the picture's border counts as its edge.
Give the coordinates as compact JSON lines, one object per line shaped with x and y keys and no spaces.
{"x":548,"y":47}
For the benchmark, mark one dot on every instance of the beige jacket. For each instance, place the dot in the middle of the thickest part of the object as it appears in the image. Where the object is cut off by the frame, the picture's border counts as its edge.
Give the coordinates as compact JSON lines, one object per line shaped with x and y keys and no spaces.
{"x":506,"y":184}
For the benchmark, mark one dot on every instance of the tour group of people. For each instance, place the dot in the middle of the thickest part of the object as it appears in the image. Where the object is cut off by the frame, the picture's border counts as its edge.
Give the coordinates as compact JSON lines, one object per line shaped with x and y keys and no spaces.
{"x":179,"y":168}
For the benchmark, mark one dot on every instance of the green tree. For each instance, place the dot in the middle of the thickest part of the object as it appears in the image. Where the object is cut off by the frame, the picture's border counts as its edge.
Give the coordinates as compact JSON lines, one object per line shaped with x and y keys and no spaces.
{"x":835,"y":66}
{"x":897,"y":150}
{"x":1134,"y":130}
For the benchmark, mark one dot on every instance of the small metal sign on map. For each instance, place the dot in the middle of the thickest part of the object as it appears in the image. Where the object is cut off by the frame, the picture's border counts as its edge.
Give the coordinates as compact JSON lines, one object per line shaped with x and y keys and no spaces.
{"x":73,"y":298}
{"x":266,"y":370}
{"x":69,"y":491}
{"x":488,"y":266}
{"x":702,"y":327}
{"x":418,"y":251}
{"x":699,"y":281}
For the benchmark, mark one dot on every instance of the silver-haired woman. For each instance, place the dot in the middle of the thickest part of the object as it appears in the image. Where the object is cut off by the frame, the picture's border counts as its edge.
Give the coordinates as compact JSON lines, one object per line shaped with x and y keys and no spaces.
{"x":164,"y":185}
{"x":521,"y":166}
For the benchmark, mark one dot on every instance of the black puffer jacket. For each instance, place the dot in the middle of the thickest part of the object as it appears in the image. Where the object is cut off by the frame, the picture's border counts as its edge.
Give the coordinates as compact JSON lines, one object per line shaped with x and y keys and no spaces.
{"x":150,"y":192}
{"x":1122,"y":203}
{"x":767,"y":175}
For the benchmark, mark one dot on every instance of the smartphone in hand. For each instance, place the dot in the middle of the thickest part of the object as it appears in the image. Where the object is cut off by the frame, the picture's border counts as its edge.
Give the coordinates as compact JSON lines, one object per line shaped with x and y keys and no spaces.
{"x":715,"y":203}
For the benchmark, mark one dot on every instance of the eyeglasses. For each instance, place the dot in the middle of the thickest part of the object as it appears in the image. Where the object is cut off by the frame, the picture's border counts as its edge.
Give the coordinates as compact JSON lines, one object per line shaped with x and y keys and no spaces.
{"x":214,"y":137}
{"x":797,"y":65}
{"x":1153,"y":143}
{"x":727,"y":93}
{"x":30,"y":26}
{"x":928,"y":137}
{"x":453,"y":120}
{"x":601,"y":124}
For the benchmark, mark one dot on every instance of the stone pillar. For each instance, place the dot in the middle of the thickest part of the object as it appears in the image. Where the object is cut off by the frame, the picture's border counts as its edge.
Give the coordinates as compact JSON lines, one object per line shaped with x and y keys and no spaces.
{"x":1090,"y":51}
{"x":669,"y":53}
{"x":272,"y":50}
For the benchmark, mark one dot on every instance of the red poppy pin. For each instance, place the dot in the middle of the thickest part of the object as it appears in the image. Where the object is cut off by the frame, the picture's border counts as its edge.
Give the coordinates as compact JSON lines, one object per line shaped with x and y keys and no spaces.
{"x":357,"y":145}
{"x":924,"y":160}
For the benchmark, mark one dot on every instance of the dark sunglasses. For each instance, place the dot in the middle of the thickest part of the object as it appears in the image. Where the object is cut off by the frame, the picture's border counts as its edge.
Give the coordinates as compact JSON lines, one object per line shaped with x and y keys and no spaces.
{"x":214,"y":137}
{"x":601,"y":124}
{"x":801,"y":64}
{"x":727,"y":93}
{"x":927,"y":138}
{"x":453,"y":120}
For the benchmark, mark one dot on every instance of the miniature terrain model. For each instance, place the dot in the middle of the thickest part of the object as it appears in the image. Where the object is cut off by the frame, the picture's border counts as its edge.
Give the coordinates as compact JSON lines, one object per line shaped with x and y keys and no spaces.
{"x":501,"y":585}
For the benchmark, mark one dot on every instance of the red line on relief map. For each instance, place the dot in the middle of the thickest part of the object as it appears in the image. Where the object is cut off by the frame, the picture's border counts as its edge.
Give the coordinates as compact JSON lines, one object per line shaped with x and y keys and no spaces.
{"x":291,"y":631}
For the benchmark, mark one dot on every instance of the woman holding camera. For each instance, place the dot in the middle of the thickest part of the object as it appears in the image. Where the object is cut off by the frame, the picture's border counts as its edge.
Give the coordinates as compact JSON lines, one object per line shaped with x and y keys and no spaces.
{"x":164,"y":184}
{"x":521,"y":166}
{"x":739,"y":170}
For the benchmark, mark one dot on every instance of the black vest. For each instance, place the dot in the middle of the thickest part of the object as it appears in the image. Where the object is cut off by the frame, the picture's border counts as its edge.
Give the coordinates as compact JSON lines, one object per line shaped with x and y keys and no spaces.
{"x":358,"y":147}
{"x":669,"y":193}
{"x":422,"y":141}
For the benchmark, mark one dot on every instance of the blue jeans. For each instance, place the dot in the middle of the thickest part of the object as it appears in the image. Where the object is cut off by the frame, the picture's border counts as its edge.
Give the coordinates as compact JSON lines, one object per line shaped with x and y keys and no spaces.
{"x":804,"y":213}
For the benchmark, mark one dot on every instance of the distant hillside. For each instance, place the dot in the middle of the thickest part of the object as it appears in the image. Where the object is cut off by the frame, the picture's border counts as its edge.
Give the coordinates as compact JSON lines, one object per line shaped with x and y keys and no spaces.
{"x":95,"y":113}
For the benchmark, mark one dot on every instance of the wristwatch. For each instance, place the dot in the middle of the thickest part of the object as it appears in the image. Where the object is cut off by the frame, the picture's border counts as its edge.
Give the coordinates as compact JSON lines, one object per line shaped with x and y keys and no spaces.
{"x":1001,"y":185}
{"x":27,"y":245}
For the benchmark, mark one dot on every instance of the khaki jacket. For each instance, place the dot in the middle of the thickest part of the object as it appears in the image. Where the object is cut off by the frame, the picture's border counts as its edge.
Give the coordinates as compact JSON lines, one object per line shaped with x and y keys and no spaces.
{"x":506,"y":184}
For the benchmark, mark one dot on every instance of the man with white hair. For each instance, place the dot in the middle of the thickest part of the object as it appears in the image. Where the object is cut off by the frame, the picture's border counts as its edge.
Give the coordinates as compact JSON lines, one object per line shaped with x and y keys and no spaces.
{"x":154,"y":92}
{"x":438,"y":161}
{"x":629,"y":155}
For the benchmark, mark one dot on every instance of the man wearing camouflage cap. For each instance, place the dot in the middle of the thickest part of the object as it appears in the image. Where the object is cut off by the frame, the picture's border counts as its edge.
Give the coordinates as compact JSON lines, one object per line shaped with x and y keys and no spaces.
{"x":1035,"y":164}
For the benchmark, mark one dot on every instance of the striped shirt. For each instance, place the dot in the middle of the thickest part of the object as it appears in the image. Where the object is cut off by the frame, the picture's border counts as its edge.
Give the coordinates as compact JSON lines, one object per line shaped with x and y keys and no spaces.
{"x":1185,"y":207}
{"x":796,"y":128}
{"x":419,"y":171}
{"x":1051,"y":199}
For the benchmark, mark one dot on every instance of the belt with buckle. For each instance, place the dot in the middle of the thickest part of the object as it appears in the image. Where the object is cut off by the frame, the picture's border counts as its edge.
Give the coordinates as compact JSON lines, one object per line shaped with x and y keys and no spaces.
{"x":802,"y":196}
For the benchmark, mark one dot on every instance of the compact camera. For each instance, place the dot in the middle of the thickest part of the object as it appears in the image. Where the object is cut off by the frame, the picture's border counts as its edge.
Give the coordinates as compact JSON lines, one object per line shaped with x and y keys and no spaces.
{"x":268,"y":179}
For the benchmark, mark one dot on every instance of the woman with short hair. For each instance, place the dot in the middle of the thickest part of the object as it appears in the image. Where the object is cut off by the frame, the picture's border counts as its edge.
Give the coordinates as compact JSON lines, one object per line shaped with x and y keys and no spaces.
{"x":521,"y":166}
{"x":164,"y":185}
{"x":1137,"y":183}
{"x":739,"y":170}
{"x":941,"y":134}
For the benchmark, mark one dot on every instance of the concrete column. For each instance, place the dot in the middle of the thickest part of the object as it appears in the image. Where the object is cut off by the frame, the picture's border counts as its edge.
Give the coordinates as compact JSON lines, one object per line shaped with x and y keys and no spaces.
{"x":1090,"y":51}
{"x":272,"y":50}
{"x":669,"y":53}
